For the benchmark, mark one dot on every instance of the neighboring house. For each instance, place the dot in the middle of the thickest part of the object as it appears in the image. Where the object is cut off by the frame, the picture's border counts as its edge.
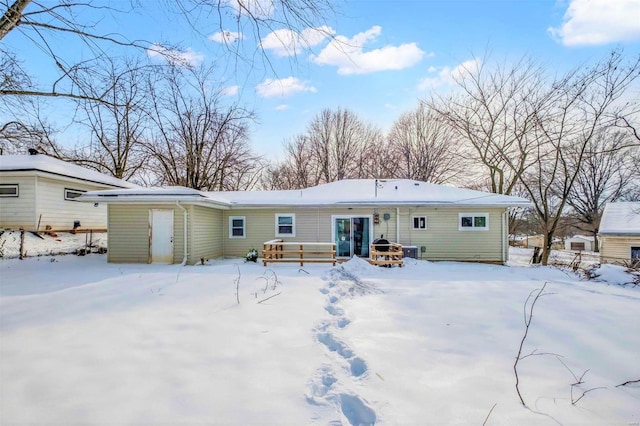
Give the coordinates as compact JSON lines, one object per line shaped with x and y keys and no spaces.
{"x":176,"y":225}
{"x":531,"y":241}
{"x":37,"y":191}
{"x":579,"y":243}
{"x":619,"y":233}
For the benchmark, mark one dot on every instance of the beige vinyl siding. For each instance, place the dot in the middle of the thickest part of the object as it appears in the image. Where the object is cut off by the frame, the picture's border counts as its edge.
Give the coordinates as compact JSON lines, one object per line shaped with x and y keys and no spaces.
{"x":386,"y":228}
{"x":19,"y":212}
{"x":128,"y":226}
{"x":60,"y":214}
{"x":312,"y":225}
{"x":617,"y":248}
{"x":206,"y":235}
{"x":442,"y":238}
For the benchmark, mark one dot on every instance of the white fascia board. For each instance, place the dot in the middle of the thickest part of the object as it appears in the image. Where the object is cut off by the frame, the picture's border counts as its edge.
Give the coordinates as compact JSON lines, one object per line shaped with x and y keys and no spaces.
{"x":138,"y":199}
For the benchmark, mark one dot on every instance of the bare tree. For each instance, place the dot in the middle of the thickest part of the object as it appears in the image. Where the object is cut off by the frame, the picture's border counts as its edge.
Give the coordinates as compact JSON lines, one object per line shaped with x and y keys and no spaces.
{"x":22,"y":126}
{"x":606,"y":173}
{"x":336,"y":145}
{"x":568,"y":117}
{"x":491,"y":113}
{"x":423,"y":146}
{"x":337,"y":139}
{"x":296,"y":171}
{"x":44,"y":23}
{"x":118,"y":128}
{"x":199,"y":141}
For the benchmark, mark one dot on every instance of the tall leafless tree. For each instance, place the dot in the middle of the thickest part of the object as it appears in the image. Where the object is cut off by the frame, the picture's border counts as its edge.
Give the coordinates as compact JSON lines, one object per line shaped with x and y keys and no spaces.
{"x":118,"y":127}
{"x":297,"y":169}
{"x":489,"y":110}
{"x":199,"y":141}
{"x":606,"y":173}
{"x":336,"y":145}
{"x":22,"y":126}
{"x":569,"y":115}
{"x":424,"y":147}
{"x":44,"y":23}
{"x":337,"y":139}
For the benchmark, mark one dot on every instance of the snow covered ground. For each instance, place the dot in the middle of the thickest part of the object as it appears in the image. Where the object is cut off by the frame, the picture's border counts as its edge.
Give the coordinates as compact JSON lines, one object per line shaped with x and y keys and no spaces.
{"x":87,"y":342}
{"x":47,"y":245}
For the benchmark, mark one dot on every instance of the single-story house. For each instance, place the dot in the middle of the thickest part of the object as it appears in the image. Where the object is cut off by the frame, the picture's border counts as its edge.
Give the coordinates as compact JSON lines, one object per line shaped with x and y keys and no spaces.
{"x":619,"y":233}
{"x":38,"y":191}
{"x":580,"y":243}
{"x":174,"y":225}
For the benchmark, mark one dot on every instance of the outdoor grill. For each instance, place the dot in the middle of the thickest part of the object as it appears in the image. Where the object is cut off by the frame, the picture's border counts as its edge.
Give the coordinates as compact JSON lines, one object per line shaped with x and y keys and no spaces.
{"x":384,"y":244}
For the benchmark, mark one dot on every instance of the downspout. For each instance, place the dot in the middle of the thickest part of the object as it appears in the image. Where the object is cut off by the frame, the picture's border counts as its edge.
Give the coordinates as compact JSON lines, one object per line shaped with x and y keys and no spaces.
{"x":398,"y":225}
{"x":505,"y":245}
{"x":184,"y":230}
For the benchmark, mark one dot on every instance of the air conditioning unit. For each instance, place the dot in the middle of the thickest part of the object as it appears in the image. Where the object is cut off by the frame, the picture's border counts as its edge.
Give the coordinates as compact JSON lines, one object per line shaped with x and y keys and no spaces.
{"x":410,"y":251}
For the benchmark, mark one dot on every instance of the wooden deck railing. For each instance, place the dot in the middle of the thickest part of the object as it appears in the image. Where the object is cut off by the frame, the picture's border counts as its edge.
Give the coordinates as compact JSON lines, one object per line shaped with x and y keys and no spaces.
{"x":386,"y":254}
{"x":275,"y":251}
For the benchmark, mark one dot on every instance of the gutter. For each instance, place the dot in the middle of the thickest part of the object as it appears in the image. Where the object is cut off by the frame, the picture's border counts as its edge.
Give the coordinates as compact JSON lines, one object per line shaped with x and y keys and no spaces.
{"x":184,"y":230}
{"x":505,"y":231}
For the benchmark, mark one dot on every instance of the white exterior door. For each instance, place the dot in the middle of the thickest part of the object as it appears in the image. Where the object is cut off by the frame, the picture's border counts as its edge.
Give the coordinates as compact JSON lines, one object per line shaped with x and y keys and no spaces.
{"x":161,"y":237}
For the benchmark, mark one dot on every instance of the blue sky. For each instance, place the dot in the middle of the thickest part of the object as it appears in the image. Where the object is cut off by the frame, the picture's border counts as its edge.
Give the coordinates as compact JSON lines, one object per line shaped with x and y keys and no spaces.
{"x":400,"y":51}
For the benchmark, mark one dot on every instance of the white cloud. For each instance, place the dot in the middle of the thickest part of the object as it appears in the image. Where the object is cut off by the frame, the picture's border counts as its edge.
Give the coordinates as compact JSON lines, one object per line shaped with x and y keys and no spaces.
{"x":448,"y":76}
{"x":230,"y":90}
{"x":225,"y":37}
{"x":273,"y":88}
{"x":282,"y":107}
{"x":187,"y":57}
{"x":349,"y":55}
{"x":285,"y":42}
{"x":596,"y":22}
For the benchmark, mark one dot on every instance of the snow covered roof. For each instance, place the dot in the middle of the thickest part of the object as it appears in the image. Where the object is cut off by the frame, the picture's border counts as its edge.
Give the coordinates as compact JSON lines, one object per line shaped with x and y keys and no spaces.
{"x":151,"y":195}
{"x":44,"y":163}
{"x":621,"y":218}
{"x":372,"y":192}
{"x":581,"y":237}
{"x":345,"y":192}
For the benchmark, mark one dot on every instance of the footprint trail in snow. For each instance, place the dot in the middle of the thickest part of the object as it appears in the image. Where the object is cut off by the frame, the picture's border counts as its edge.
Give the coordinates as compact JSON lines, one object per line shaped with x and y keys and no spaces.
{"x":335,"y":381}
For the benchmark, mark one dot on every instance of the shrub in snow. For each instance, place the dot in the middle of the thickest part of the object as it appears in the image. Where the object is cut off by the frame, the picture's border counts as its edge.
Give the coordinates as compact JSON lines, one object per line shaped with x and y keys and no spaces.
{"x":613,"y":274}
{"x":252,"y":255}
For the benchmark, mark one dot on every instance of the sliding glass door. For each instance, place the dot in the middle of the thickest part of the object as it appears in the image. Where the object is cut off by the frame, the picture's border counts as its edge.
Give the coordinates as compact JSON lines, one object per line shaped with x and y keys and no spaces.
{"x":352,"y":235}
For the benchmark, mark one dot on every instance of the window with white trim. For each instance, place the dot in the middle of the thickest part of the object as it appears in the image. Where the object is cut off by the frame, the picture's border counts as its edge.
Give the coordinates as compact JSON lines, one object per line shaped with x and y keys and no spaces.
{"x":473,"y":221}
{"x":237,"y":227}
{"x":285,"y":225}
{"x":72,"y":194}
{"x":9,"y":190}
{"x":419,"y":222}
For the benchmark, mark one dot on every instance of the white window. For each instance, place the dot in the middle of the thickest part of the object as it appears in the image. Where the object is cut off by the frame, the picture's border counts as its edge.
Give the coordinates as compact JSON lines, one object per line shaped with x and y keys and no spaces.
{"x":9,"y":190}
{"x":473,"y":221}
{"x":72,"y":194}
{"x":419,"y":222}
{"x":237,"y":227}
{"x":285,"y":225}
